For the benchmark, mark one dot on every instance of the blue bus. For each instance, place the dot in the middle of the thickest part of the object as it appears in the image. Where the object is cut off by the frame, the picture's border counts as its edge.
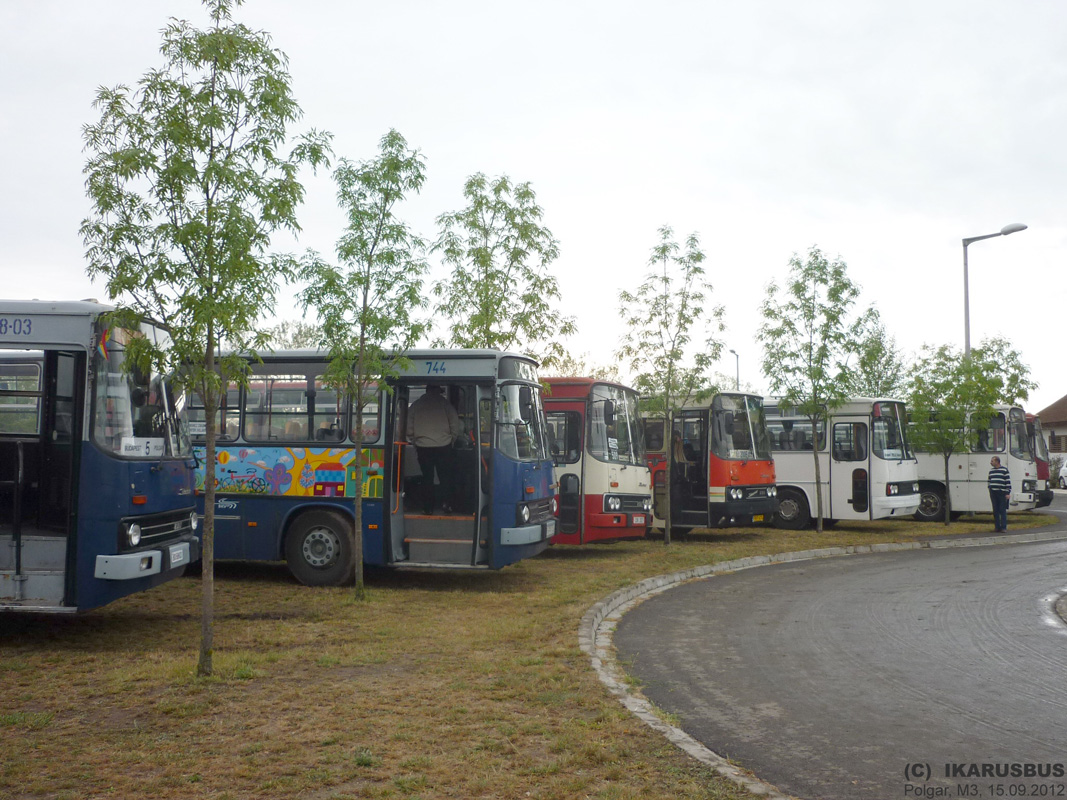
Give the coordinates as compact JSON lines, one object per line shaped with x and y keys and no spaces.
{"x":286,"y":467}
{"x":96,"y":467}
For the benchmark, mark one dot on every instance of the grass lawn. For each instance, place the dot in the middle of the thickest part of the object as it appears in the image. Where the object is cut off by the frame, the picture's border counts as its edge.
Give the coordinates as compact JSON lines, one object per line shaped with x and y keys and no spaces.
{"x":440,"y":685}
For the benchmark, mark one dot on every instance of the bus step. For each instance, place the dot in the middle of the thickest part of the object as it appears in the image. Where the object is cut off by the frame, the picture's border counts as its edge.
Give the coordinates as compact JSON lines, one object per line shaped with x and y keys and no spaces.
{"x":442,"y":551}
{"x":34,"y":587}
{"x":38,"y":552}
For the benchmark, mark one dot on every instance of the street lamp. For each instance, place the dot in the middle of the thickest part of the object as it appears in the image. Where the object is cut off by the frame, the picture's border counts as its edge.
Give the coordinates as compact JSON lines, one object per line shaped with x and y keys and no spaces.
{"x":737,"y":381}
{"x":1015,"y":227}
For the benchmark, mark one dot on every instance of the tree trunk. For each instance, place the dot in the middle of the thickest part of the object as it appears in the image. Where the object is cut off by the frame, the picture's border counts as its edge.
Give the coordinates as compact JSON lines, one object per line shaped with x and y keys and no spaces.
{"x":948,"y":493}
{"x":818,"y":474}
{"x":205,"y":666}
{"x":359,"y":591}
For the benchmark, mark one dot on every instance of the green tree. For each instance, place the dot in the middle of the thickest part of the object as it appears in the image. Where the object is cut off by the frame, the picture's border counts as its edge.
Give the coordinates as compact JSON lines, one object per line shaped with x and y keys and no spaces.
{"x":295,"y":334}
{"x":366,"y":303}
{"x":500,"y":293}
{"x":951,"y":398}
{"x":571,"y":366}
{"x":1006,"y":364}
{"x":672,"y":338}
{"x":188,"y":182}
{"x":879,"y":369}
{"x":808,"y":336}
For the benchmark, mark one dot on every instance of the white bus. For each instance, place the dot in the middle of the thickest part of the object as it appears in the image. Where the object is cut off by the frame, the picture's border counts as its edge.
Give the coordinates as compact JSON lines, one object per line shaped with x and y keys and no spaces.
{"x":867,"y":469}
{"x":1006,"y":436}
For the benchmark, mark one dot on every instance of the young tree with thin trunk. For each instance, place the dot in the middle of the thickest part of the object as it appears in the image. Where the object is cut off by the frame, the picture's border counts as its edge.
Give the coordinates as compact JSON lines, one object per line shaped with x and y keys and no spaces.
{"x":500,"y":293}
{"x":879,"y":369}
{"x":808,"y":336}
{"x":672,"y":338}
{"x":366,"y":303}
{"x":188,"y":182}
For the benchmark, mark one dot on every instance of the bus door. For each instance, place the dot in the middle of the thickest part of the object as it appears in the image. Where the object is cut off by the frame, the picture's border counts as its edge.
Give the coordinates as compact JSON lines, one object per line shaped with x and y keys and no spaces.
{"x":565,"y":442}
{"x":39,"y":454}
{"x":990,"y":441}
{"x":396,"y":460}
{"x":439,"y":508}
{"x":850,"y":469}
{"x":689,"y":495}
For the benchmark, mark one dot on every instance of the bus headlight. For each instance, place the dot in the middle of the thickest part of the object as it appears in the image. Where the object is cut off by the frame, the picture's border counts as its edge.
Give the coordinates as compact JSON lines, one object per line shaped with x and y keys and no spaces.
{"x":555,"y":506}
{"x":646,"y":504}
{"x":736,"y":494}
{"x":612,"y":503}
{"x":194,"y":521}
{"x":524,"y":514}
{"x":772,"y":491}
{"x":1029,"y":486}
{"x":133,"y":534}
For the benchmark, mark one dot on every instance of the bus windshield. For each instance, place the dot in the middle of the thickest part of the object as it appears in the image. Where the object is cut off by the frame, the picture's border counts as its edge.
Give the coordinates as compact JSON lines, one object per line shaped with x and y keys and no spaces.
{"x":520,"y":422}
{"x":739,"y":428}
{"x":889,"y":432}
{"x":615,"y":425}
{"x":1018,"y":439}
{"x":135,"y":415}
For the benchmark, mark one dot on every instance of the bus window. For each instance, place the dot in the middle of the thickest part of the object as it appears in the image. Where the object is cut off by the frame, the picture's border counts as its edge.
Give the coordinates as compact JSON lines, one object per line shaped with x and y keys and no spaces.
{"x":850,"y":441}
{"x":564,"y":435}
{"x":328,"y":416}
{"x":20,"y":413}
{"x":372,"y":424}
{"x":653,"y":435}
{"x":276,"y":408}
{"x":991,"y":438}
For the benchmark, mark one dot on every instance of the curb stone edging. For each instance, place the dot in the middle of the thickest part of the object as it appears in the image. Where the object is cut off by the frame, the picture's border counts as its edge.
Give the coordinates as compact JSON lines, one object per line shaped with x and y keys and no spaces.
{"x":596,"y":630}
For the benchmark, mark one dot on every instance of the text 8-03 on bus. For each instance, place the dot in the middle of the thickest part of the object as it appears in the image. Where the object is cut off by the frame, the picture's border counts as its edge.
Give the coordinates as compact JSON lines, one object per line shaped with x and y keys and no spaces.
{"x":452,"y":461}
{"x":96,"y":468}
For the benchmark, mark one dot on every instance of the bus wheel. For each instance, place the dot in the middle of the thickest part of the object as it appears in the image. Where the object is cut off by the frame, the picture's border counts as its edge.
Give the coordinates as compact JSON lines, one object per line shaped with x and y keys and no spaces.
{"x":931,"y":503}
{"x":318,"y":549}
{"x":792,"y":513}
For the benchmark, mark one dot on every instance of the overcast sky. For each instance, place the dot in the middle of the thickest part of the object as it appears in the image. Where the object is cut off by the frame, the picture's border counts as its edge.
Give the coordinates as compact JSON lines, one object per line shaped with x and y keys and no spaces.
{"x":884,"y":133}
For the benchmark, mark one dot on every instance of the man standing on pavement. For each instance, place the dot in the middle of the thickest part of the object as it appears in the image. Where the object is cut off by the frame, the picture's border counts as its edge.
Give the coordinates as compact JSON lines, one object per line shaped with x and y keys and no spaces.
{"x":999,"y":493}
{"x":433,"y":426}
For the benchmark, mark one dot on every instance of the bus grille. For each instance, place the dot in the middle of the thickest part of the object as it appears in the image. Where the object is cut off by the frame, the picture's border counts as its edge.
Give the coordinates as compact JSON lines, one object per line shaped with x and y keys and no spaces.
{"x":167,"y":526}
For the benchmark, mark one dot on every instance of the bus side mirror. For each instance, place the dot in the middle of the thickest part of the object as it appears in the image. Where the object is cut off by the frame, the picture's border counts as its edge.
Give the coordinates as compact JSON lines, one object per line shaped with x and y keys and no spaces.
{"x":609,"y":412}
{"x":728,"y":423}
{"x":526,"y":403}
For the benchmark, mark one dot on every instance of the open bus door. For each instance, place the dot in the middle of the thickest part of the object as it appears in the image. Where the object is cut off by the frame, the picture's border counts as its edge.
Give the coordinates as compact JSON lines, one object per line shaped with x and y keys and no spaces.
{"x":689,"y":490}
{"x":40,"y":439}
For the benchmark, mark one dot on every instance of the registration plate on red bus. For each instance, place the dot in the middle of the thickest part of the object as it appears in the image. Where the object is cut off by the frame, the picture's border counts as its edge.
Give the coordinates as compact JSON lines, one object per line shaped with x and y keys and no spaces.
{"x":639,"y":519}
{"x":757,"y":518}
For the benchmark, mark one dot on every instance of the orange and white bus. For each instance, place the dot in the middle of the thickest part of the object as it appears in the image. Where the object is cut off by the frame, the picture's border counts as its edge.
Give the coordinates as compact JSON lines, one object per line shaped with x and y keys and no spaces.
{"x":595,"y":436}
{"x":727,"y":475}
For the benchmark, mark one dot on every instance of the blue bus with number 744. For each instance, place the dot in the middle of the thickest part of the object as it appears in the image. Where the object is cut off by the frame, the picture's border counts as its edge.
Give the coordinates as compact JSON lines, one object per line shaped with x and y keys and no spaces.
{"x":286,"y":467}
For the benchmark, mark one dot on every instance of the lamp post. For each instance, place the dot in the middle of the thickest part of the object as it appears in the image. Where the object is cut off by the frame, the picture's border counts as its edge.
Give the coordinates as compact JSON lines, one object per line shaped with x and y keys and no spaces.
{"x":1015,"y":227}
{"x":737,"y":380}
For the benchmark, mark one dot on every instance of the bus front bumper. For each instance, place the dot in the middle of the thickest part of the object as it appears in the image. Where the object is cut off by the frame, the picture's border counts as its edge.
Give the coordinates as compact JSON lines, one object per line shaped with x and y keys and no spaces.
{"x":528,"y":534}
{"x":128,"y":566}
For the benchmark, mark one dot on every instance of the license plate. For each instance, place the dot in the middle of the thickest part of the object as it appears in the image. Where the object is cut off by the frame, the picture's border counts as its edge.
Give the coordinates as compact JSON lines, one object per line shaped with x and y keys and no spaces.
{"x":177,"y":556}
{"x":757,"y":518}
{"x":639,"y":519}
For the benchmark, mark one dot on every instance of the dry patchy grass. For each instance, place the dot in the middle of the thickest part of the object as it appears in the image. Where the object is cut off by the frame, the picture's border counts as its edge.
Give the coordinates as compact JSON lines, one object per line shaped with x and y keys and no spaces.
{"x":440,"y":685}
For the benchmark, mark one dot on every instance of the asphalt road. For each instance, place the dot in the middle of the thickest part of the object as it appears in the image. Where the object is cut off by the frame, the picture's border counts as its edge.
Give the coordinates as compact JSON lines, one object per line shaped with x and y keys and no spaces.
{"x":832,"y":678}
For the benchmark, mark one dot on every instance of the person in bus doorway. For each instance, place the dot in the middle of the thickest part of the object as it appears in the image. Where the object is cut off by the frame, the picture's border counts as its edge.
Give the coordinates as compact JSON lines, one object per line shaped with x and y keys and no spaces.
{"x":433,"y":427}
{"x":999,"y":493}
{"x":679,"y":470}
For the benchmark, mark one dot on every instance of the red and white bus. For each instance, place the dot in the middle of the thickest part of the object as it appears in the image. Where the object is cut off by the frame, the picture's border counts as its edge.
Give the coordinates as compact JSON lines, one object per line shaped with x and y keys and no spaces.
{"x":1039,"y":447}
{"x":727,"y":476}
{"x":595,"y":435}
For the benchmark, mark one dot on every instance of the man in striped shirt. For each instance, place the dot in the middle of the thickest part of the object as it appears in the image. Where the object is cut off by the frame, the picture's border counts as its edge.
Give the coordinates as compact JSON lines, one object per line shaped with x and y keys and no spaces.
{"x":999,"y":493}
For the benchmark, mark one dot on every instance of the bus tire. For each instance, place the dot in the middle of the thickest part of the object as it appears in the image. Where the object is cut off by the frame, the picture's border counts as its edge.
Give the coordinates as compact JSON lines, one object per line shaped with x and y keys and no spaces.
{"x":931,"y":503}
{"x":318,"y":549}
{"x":793,"y":513}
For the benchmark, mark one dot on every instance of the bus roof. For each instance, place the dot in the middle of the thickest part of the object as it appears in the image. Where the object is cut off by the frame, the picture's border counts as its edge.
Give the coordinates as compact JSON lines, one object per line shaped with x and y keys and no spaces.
{"x":49,"y":323}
